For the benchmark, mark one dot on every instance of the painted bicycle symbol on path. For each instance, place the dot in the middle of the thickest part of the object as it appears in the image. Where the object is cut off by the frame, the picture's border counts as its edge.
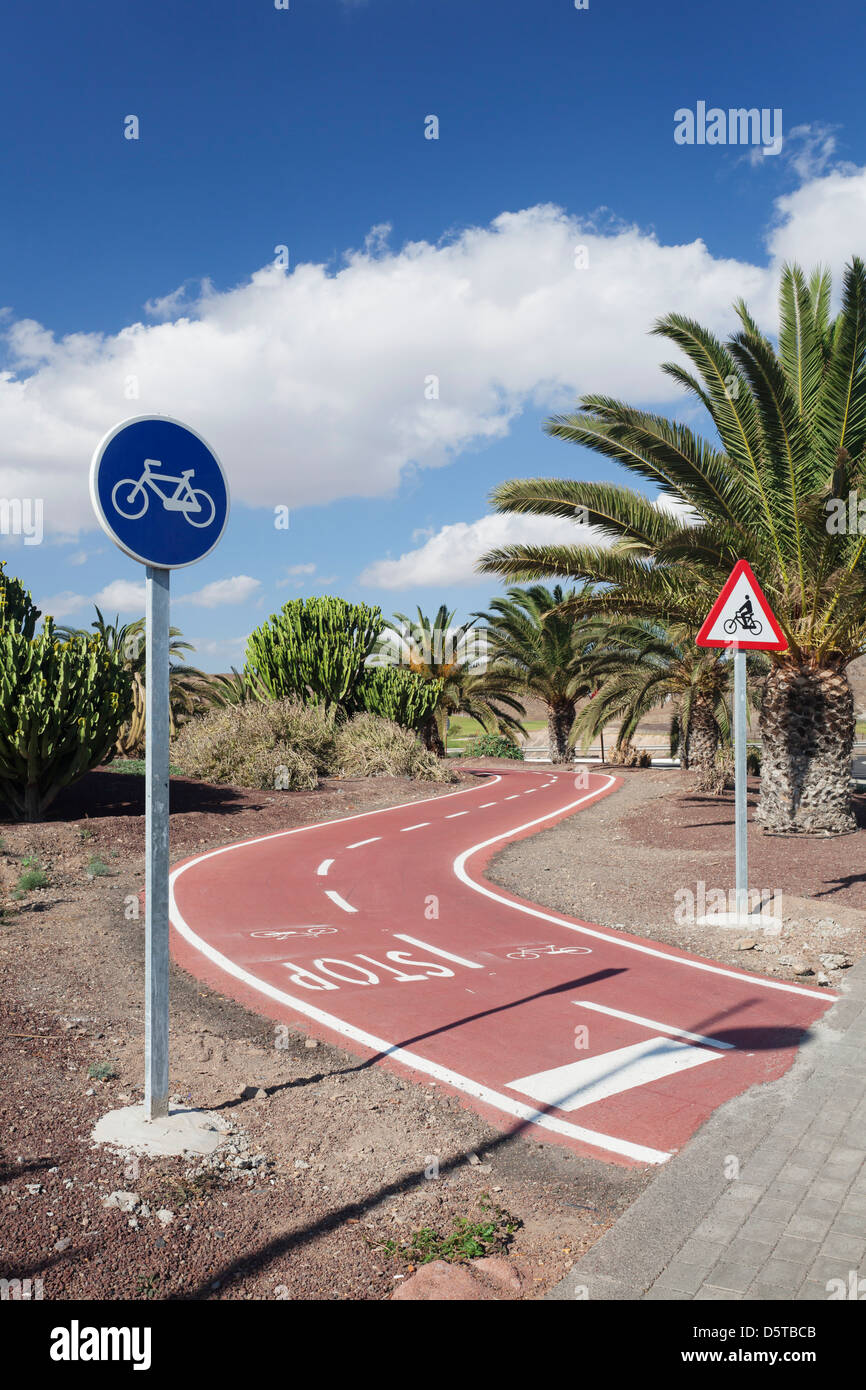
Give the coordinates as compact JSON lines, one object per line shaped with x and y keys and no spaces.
{"x":294,"y":931}
{"x":533,"y":952}
{"x":131,"y":499}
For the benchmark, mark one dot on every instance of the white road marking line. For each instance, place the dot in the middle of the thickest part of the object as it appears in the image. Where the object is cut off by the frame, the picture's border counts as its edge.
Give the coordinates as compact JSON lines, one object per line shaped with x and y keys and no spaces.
{"x":531,"y":791}
{"x":341,"y":902}
{"x":579,"y":1084}
{"x":513,"y":796}
{"x":507,"y":1105}
{"x":459,"y":867}
{"x":419,"y":826}
{"x":485,"y":804}
{"x":438,"y":951}
{"x":455,"y":814}
{"x":324,"y":867}
{"x":359,"y":843}
{"x":651,"y":1023}
{"x":339,"y":820}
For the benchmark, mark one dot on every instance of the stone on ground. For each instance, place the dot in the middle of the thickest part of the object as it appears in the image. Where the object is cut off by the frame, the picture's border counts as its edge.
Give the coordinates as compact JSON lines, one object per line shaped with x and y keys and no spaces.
{"x":485,"y":1279}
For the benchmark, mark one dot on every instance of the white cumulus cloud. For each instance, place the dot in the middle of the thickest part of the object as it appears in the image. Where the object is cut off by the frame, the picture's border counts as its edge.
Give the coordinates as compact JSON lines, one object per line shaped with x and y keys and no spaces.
{"x":450,"y":556}
{"x":63,"y":605}
{"x":122,"y":596}
{"x":315,"y":386}
{"x":235,"y":590}
{"x":820,"y":222}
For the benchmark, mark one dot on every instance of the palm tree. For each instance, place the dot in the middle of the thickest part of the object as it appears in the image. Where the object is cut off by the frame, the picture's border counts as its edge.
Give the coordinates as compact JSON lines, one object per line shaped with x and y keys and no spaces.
{"x":641,"y":665}
{"x":239,"y":688}
{"x":438,"y":650}
{"x":535,"y":644}
{"x":792,"y":428}
{"x":187,"y":685}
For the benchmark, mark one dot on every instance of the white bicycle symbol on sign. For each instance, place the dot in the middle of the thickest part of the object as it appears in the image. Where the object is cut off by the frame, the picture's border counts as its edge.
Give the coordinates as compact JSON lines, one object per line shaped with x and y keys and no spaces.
{"x":131,"y":499}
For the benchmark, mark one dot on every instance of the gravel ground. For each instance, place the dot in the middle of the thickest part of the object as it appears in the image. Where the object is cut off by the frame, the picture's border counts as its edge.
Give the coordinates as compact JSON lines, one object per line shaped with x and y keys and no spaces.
{"x":327,"y":1155}
{"x":634,"y":861}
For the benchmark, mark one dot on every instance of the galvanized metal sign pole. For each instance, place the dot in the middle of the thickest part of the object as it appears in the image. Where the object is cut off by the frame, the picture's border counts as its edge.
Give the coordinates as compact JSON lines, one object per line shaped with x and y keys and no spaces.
{"x":160,"y":493}
{"x":740,"y":809}
{"x":157,"y":853}
{"x":741,"y":619}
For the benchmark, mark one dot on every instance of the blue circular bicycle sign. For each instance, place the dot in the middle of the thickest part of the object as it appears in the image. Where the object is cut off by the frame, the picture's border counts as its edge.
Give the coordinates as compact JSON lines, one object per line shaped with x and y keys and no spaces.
{"x":159,"y":491}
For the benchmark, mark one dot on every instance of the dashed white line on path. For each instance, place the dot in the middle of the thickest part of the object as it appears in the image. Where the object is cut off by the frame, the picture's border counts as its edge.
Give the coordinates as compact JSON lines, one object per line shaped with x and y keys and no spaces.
{"x":341,"y":902}
{"x":513,"y":796}
{"x":454,"y":814}
{"x":419,"y":826}
{"x":489,"y":1096}
{"x":359,"y":843}
{"x":485,"y":804}
{"x":531,"y":791}
{"x":324,"y":867}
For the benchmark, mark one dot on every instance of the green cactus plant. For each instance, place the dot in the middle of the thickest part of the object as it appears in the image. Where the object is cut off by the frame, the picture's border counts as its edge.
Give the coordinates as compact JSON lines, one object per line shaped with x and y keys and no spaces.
{"x":61,"y":705}
{"x":314,"y":650}
{"x":399,"y":695}
{"x":17,"y":609}
{"x":127,"y":643}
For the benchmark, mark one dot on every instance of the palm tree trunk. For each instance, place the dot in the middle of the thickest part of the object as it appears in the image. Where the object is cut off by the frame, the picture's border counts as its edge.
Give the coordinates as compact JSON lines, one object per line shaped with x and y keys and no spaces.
{"x":807,"y":727}
{"x":431,"y":736}
{"x":679,"y":744}
{"x":702,"y":736}
{"x":560,"y":718}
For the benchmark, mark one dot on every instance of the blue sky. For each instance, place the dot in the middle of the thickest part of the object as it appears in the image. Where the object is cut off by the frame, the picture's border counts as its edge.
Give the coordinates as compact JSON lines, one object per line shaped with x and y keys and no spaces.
{"x":139,"y":276}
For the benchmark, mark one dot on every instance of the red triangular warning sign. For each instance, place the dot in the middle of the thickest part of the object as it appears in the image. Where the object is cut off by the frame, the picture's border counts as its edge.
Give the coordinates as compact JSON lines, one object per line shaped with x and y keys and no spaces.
{"x":741,"y":616}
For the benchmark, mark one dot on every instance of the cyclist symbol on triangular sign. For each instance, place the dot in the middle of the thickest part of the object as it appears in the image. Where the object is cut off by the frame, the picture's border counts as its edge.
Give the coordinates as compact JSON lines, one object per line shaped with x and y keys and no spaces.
{"x":742,"y":616}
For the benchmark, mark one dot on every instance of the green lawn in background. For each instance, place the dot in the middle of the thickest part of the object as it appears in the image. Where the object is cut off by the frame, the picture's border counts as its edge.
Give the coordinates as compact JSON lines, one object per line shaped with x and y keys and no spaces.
{"x":462,"y":729}
{"x":136,"y":767}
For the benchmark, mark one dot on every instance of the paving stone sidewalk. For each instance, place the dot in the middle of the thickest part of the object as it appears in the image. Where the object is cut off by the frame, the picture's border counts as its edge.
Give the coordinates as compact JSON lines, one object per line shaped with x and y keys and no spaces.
{"x":795,"y":1217}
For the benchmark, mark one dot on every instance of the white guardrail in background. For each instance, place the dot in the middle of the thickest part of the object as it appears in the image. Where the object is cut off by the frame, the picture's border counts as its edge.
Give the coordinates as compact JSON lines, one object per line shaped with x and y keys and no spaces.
{"x":661,"y":757}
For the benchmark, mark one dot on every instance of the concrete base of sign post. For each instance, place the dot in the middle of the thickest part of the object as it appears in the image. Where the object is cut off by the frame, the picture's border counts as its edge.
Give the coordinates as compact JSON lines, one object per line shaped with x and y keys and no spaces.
{"x":180,"y":1132}
{"x":742,"y":921}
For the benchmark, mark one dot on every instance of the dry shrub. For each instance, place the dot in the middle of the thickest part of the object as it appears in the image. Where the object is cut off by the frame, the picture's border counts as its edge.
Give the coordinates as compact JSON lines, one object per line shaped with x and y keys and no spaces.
{"x":284,"y":744}
{"x":279,"y":768}
{"x":720,"y":777}
{"x":368,"y":746}
{"x":630,"y":757}
{"x":275,"y":743}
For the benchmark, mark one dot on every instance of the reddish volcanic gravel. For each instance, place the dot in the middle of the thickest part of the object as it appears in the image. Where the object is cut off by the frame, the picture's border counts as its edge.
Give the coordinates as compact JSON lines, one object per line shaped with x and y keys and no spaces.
{"x":328,"y":1156}
{"x":631,"y":862}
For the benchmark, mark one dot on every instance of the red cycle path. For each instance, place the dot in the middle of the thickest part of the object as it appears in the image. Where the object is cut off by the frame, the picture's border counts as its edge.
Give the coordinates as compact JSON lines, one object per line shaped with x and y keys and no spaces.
{"x":379,"y":932}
